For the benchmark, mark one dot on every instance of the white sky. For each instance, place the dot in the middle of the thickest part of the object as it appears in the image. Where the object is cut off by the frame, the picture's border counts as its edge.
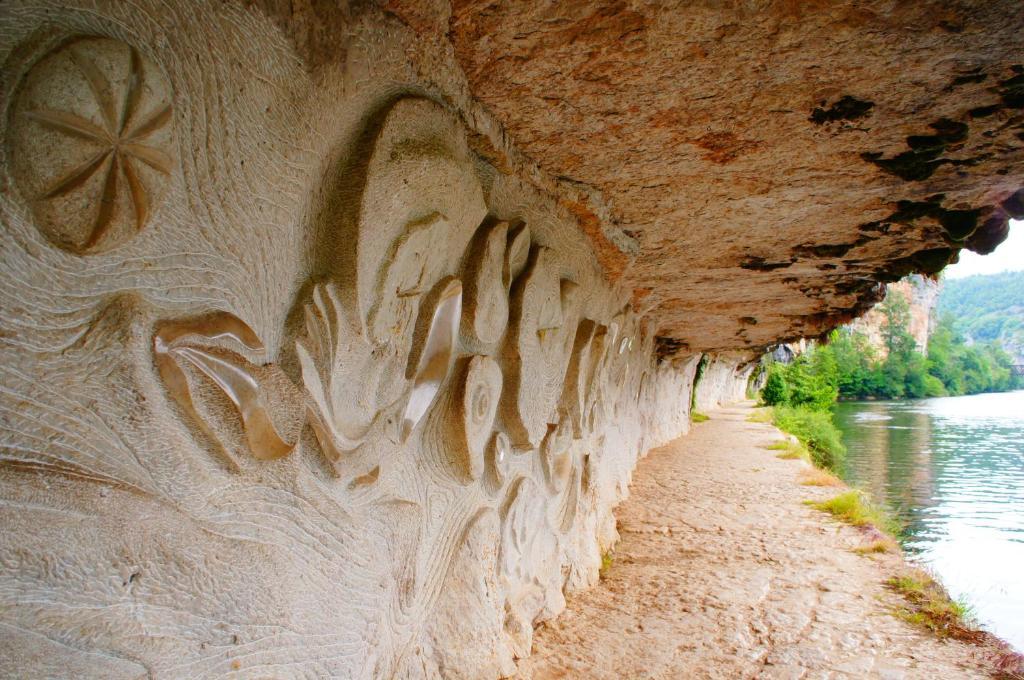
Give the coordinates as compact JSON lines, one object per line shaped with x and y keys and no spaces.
{"x":1009,"y":256}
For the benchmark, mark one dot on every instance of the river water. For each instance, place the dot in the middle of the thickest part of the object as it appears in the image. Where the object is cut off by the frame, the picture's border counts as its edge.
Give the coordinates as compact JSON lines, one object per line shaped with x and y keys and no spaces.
{"x":952,"y":469}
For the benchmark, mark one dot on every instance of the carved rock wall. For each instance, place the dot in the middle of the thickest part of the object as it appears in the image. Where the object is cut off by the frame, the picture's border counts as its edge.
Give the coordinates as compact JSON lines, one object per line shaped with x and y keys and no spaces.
{"x":294,"y":384}
{"x":723,"y":380}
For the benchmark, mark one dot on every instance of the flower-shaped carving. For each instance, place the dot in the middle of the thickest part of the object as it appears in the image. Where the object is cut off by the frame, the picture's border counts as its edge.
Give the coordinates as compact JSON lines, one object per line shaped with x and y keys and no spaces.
{"x":90,"y":143}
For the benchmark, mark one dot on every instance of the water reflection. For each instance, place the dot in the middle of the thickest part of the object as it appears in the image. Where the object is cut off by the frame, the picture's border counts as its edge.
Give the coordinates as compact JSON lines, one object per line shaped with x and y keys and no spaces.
{"x":953,"y":471}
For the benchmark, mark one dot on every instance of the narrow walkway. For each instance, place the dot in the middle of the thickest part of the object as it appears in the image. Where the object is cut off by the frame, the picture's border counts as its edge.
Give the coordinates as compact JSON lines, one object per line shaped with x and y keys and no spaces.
{"x":722,"y":572}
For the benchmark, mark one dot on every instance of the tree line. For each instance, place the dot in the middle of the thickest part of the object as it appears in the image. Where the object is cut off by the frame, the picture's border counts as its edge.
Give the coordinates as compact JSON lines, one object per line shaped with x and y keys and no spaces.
{"x":850,"y":367}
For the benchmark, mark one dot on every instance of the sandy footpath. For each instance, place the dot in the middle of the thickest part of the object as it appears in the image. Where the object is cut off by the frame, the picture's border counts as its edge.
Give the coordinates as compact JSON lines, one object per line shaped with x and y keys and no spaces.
{"x":722,"y":572}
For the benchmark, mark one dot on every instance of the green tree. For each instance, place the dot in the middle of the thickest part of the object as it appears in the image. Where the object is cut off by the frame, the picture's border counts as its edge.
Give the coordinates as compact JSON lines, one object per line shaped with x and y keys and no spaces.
{"x":775,"y":390}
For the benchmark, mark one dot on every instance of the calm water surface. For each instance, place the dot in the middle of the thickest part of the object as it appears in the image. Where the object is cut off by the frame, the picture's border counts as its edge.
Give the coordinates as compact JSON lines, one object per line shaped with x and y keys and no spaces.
{"x":953,"y":470}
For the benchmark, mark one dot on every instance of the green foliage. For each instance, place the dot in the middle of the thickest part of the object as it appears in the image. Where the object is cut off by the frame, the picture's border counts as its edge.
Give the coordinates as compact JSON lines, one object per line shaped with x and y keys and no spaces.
{"x":811,"y":380}
{"x":952,"y":367}
{"x":816,"y":431}
{"x":698,"y":417}
{"x":929,"y":605}
{"x":775,"y":390}
{"x":856,"y":507}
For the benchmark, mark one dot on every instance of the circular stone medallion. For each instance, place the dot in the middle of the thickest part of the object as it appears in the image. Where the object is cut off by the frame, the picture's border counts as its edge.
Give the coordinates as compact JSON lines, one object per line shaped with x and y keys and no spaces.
{"x":90,"y":143}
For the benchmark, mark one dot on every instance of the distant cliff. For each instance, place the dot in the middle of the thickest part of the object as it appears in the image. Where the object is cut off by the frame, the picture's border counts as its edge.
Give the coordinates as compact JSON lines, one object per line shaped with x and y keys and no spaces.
{"x":922,"y":295}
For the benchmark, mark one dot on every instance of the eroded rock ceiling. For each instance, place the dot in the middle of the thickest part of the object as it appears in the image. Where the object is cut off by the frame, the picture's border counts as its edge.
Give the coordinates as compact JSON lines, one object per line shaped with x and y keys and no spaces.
{"x":753,"y":170}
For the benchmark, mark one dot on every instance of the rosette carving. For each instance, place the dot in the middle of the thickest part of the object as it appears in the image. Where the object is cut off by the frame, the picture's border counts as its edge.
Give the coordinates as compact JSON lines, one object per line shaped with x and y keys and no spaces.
{"x":91,"y":143}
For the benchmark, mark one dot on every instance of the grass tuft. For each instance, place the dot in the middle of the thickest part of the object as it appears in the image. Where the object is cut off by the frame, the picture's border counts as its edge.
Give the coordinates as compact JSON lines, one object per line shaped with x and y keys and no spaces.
{"x":790,"y":450}
{"x":818,"y":477}
{"x":606,"y":563}
{"x":816,"y":431}
{"x":929,"y":605}
{"x":856,"y":508}
{"x":698,"y":417}
{"x":879,"y":545}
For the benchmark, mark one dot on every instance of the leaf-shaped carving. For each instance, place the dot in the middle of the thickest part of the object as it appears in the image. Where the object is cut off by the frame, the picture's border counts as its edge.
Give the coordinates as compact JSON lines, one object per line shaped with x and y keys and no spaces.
{"x":536,"y":352}
{"x":430,"y":363}
{"x":557,"y":457}
{"x":487,"y":282}
{"x":213,"y":346}
{"x":587,"y":356}
{"x":518,"y":251}
{"x":338,"y":429}
{"x":498,"y":456}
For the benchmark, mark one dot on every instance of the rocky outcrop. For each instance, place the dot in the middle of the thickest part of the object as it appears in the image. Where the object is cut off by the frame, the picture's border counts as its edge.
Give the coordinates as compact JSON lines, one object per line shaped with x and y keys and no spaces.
{"x":922,"y":297}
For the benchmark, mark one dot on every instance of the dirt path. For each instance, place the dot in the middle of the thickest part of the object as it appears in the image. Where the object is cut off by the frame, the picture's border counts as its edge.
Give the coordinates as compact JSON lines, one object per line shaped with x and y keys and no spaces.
{"x":722,"y":572}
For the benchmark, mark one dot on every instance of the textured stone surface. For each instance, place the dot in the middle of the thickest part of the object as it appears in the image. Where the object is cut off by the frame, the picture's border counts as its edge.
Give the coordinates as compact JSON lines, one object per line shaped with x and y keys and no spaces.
{"x":751,"y":171}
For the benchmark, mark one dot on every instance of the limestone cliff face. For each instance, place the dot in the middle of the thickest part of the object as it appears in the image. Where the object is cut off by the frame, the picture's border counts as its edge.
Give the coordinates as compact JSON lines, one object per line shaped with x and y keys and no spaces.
{"x":922,"y":296}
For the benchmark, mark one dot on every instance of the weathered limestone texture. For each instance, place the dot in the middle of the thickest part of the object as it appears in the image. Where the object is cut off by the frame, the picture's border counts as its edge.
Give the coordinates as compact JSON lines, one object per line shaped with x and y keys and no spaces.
{"x":755,"y":171}
{"x":723,"y":380}
{"x":293,"y":383}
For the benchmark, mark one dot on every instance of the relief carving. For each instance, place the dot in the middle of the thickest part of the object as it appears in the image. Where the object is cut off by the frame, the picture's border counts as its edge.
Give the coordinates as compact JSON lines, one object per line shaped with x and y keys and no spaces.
{"x":528,"y":564}
{"x":432,"y":361}
{"x":214,"y":347}
{"x":91,"y":143}
{"x":471,"y":421}
{"x":499,"y":454}
{"x":542,"y":330}
{"x":421,"y":204}
{"x":439,"y":358}
{"x":556,"y":457}
{"x":487,"y":279}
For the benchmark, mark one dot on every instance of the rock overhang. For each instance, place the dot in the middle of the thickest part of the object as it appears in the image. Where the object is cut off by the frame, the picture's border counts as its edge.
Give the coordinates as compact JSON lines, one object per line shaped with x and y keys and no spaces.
{"x":755,"y":177}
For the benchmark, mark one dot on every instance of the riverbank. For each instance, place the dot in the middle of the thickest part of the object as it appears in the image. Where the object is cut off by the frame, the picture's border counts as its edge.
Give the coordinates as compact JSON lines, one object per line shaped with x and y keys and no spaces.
{"x":723,"y":572}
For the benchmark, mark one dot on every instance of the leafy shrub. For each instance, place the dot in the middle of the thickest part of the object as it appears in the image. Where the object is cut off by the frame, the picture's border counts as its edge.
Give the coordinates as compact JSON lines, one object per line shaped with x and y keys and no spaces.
{"x":775,"y":390}
{"x":816,"y":431}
